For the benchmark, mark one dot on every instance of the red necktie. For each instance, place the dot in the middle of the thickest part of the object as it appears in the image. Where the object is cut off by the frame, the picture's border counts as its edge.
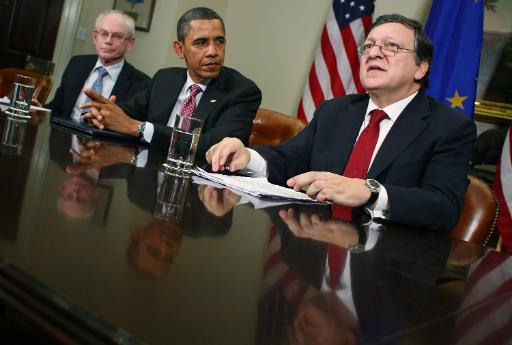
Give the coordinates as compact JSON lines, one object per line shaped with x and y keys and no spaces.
{"x":359,"y":160}
{"x":336,"y":258}
{"x":188,"y":107}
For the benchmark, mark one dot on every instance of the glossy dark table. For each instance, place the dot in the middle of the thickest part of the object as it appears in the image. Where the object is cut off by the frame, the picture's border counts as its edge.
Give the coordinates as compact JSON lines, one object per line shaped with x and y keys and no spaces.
{"x":93,"y":251}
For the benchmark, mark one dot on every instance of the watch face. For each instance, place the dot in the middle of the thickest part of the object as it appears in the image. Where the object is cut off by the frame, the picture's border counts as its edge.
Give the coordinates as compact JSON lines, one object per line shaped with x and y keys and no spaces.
{"x":374,"y":185}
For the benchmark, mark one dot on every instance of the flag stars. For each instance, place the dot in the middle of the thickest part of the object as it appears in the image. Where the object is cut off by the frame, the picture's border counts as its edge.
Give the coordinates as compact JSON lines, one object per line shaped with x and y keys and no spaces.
{"x":352,"y":4}
{"x":456,"y":100}
{"x":342,"y":1}
{"x":347,"y":15}
{"x":361,"y":8}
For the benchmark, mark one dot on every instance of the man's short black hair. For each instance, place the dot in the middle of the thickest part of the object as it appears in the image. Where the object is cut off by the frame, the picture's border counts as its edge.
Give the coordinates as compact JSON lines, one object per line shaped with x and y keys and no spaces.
{"x":422,"y":43}
{"x":194,"y":14}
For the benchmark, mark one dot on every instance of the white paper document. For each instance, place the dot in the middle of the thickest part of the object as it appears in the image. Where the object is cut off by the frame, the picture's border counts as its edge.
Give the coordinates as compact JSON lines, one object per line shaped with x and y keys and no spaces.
{"x":7,"y":101}
{"x":256,"y":186}
{"x":256,"y":202}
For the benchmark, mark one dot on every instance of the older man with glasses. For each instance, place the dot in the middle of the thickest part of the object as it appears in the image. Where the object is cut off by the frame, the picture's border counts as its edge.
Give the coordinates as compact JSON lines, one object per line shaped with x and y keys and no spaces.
{"x":394,"y":152}
{"x":107,"y":72}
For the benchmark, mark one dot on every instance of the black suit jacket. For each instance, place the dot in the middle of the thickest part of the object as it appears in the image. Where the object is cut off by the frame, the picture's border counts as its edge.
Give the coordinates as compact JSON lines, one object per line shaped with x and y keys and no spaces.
{"x":227,"y":106}
{"x":423,"y":162}
{"x":129,"y":82}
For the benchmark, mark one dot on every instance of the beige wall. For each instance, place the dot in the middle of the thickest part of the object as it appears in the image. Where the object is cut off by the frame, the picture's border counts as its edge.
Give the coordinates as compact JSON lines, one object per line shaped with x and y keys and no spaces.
{"x":272,"y":42}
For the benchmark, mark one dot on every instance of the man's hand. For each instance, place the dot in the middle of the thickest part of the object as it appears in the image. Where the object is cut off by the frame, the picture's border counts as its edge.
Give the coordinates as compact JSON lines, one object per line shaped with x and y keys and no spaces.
{"x":334,"y":231}
{"x":229,"y":154}
{"x":325,"y":186}
{"x":217,"y":201}
{"x":105,"y":113}
{"x":96,"y":155}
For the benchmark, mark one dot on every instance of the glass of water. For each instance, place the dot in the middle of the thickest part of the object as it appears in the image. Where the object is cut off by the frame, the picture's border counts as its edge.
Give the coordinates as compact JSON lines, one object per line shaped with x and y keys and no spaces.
{"x":184,"y":139}
{"x":21,"y":97}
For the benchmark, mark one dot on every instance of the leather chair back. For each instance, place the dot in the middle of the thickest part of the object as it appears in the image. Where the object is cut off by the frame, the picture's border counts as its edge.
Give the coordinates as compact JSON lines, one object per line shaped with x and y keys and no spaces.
{"x":272,"y":128}
{"x":478,"y":215}
{"x":43,"y":84}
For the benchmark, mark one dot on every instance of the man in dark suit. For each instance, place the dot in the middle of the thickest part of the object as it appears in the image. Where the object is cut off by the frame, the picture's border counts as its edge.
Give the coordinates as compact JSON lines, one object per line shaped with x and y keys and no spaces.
{"x":226,"y":101}
{"x":416,"y":169}
{"x":113,"y":36}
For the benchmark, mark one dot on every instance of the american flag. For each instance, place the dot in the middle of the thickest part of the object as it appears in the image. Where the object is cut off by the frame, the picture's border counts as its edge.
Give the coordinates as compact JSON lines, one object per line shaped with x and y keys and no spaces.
{"x":335,"y":71}
{"x":503,"y":190}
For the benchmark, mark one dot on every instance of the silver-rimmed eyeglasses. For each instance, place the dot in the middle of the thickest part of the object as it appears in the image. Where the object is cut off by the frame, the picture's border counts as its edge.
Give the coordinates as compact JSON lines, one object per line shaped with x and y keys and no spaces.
{"x":116,"y":36}
{"x":388,"y":49}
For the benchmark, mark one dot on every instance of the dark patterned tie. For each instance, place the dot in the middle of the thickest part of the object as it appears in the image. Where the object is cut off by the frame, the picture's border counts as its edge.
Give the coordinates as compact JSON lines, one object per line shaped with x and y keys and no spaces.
{"x":188,"y":108}
{"x":359,"y":160}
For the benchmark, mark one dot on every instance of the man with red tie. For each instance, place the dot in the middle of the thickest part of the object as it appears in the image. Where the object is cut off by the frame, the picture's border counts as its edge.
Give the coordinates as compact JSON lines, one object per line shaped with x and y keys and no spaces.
{"x":222,"y":97}
{"x":400,"y":154}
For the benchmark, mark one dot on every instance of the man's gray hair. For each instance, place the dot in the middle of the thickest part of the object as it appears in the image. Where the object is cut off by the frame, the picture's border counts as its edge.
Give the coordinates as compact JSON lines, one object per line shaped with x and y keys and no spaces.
{"x":127,"y":20}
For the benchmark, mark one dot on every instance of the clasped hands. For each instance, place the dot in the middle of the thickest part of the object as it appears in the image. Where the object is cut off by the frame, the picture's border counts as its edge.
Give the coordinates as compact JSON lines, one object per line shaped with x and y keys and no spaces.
{"x":104,"y":113}
{"x":231,"y":154}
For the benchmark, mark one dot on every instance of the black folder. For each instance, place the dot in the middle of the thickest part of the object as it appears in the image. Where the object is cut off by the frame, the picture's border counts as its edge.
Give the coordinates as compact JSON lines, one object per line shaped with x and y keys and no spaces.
{"x":91,"y":131}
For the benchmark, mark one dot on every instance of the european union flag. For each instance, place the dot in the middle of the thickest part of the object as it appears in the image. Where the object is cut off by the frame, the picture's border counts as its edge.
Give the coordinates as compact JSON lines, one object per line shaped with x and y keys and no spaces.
{"x":455,"y":28}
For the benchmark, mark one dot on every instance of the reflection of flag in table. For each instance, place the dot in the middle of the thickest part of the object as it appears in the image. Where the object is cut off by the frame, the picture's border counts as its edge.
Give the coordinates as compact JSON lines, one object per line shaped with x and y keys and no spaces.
{"x":486,"y":316}
{"x":283,"y":292}
{"x":335,"y":71}
{"x":503,"y":189}
{"x":456,"y":29}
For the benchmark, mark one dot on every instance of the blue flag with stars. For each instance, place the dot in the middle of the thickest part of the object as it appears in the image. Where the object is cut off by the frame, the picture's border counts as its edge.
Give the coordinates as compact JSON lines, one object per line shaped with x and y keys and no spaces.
{"x":456,"y":29}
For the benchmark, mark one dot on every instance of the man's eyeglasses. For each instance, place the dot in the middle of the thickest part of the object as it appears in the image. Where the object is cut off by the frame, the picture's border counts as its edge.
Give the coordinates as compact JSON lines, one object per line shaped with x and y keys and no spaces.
{"x":388,"y":49}
{"x":116,"y":36}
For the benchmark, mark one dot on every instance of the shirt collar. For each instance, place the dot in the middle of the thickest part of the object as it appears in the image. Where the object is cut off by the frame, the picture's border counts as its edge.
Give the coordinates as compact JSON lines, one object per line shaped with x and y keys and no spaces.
{"x":113,"y":70}
{"x":392,"y":110}
{"x":189,"y":82}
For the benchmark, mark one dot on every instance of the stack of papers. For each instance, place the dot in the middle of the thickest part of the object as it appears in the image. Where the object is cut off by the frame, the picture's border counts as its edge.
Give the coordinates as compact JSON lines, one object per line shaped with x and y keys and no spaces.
{"x":255,"y":186}
{"x":5,"y":102}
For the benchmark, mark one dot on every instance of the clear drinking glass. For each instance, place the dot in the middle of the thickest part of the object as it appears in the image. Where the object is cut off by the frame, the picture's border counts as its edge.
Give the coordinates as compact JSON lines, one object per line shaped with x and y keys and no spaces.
{"x":21,"y":97}
{"x":182,"y":149}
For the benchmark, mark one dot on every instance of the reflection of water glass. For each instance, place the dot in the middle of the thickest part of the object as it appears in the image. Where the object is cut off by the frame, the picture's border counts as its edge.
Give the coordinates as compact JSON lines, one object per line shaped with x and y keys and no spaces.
{"x":21,"y":97}
{"x":172,"y":194}
{"x":13,"y":136}
{"x":182,"y":149}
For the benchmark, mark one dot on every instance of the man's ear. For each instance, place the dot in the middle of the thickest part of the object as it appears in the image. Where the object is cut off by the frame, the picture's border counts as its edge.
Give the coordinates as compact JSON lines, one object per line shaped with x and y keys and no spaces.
{"x":178,"y":48}
{"x":422,"y":70}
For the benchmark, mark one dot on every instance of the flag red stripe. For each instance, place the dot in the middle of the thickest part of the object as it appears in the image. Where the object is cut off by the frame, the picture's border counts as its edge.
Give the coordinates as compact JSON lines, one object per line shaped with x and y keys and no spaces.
{"x":492,"y":260}
{"x":314,"y":87}
{"x":351,"y":51}
{"x":337,"y":87}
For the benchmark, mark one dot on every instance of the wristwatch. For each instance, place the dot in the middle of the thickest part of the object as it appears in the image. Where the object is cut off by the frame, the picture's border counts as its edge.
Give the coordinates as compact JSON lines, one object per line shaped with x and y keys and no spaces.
{"x":374,"y":187}
{"x":141,"y":128}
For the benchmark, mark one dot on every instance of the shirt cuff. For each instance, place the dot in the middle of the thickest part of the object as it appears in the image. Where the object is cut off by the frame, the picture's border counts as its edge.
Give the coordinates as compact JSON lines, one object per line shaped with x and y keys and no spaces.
{"x":380,"y":208}
{"x":257,"y":164}
{"x":148,"y":132}
{"x":142,"y":158}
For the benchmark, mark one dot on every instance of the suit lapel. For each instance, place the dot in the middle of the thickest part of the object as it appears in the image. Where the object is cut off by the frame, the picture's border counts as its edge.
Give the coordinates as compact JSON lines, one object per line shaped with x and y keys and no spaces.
{"x":408,"y":126}
{"x":211,"y":97}
{"x":344,"y":131}
{"x":121,"y":85}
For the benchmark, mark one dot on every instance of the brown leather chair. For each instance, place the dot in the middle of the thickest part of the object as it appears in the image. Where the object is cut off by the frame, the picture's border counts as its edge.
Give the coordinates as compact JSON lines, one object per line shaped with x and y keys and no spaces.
{"x":478,"y":215}
{"x":272,"y":128}
{"x":43,"y":85}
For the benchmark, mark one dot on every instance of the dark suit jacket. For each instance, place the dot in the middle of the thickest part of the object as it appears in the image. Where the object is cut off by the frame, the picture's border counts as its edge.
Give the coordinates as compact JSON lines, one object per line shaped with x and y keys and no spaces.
{"x":227,"y":107}
{"x":129,"y":82}
{"x":423,"y":162}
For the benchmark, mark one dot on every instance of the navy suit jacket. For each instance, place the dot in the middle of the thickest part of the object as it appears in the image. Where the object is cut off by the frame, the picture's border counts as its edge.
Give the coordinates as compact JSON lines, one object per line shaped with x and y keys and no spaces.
{"x":129,"y":82}
{"x":423,"y":162}
{"x":227,"y":106}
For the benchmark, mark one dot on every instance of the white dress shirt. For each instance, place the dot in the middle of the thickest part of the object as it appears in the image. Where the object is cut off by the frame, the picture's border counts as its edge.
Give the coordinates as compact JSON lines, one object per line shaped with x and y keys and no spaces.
{"x":108,"y":84}
{"x":184,"y":94}
{"x":380,"y":209}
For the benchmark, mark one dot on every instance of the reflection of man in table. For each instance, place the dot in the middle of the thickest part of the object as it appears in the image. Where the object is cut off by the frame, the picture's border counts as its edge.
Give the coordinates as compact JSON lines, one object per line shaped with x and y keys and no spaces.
{"x":154,"y":246}
{"x":398,"y":153}
{"x":78,"y":196}
{"x":222,"y":97}
{"x":108,"y":71}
